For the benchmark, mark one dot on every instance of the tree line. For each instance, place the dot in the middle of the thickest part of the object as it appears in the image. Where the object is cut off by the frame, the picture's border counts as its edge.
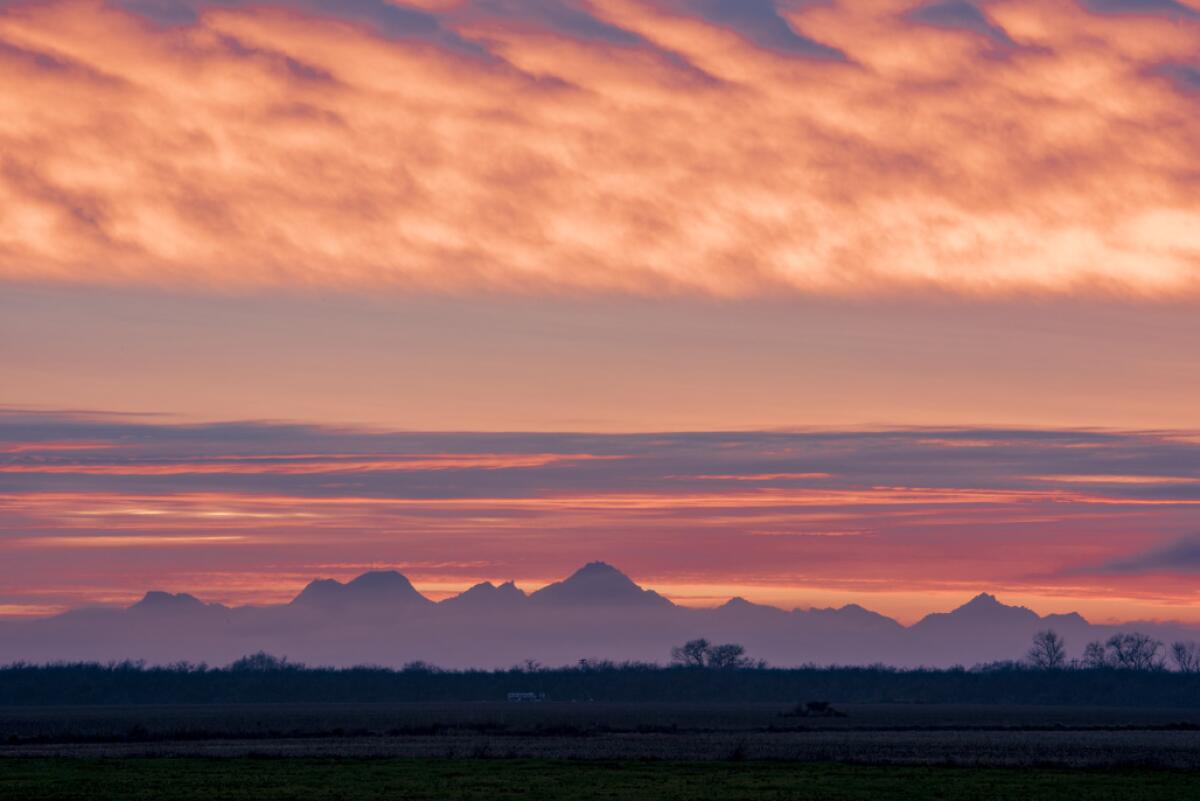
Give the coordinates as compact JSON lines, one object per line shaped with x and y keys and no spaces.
{"x":701,"y":672}
{"x":1122,"y":651}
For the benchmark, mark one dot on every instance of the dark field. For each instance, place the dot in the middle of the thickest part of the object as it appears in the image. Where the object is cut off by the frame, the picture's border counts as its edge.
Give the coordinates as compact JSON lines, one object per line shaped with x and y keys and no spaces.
{"x":413,"y":780}
{"x":994,"y":735}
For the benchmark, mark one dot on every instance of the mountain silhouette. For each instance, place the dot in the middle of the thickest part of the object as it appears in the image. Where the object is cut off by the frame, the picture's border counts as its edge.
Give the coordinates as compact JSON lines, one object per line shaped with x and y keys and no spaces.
{"x":487,"y":595}
{"x":994,"y":630}
{"x":741,"y":609}
{"x":983,"y":608}
{"x":598,"y":584}
{"x":1069,"y":619}
{"x":850,"y":617}
{"x":596,"y":612}
{"x":164,"y":602}
{"x":377,"y":588}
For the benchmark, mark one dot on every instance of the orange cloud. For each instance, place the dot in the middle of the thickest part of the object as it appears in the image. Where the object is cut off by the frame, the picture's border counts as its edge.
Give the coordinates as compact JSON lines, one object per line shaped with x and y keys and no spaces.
{"x":126,"y":541}
{"x":251,"y":465}
{"x":260,"y":147}
{"x":47,"y":447}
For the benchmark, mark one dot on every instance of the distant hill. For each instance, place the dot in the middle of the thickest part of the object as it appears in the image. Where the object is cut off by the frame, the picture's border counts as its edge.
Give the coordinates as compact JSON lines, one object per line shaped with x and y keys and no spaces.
{"x":488,"y":596}
{"x":370,"y":590}
{"x":850,"y":617}
{"x":983,"y":609}
{"x":598,"y":584}
{"x":156,"y":602}
{"x":595,"y":613}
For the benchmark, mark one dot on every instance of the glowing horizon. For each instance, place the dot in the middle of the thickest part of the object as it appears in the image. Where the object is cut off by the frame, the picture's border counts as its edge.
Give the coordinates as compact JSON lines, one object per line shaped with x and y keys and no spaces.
{"x":901,"y":520}
{"x":906,"y":607}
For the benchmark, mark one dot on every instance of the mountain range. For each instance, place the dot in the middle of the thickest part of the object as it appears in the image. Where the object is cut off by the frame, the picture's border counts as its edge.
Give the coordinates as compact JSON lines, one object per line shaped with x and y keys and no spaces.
{"x":597,"y":612}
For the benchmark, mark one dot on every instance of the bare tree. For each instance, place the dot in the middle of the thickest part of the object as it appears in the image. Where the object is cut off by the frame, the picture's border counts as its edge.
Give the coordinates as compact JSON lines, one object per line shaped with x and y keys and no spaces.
{"x":1186,"y":656}
{"x":693,"y":653}
{"x":702,"y":653}
{"x":1049,"y":651}
{"x":1135,"y":651}
{"x":727,"y":657}
{"x":1094,"y":655}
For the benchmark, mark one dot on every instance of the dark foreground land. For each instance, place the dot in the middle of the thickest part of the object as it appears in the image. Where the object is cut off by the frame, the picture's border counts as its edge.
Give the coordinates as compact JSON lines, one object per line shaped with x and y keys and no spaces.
{"x":585,"y":751}
{"x":880,"y":734}
{"x":261,"y":678}
{"x":163,"y":779}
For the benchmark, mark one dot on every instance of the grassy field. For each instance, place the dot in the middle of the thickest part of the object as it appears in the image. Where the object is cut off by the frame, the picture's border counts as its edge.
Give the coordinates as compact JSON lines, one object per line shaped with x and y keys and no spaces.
{"x":242,"y":721}
{"x":414,"y":780}
{"x":597,"y":751}
{"x":985,"y":736}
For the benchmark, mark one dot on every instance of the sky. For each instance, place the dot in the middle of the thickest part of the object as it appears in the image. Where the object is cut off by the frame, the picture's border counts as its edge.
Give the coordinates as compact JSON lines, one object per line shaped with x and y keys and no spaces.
{"x":808,"y":301}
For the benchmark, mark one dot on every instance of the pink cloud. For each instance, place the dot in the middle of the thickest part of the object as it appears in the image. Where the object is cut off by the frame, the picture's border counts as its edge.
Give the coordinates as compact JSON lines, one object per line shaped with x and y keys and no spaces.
{"x":620,"y":146}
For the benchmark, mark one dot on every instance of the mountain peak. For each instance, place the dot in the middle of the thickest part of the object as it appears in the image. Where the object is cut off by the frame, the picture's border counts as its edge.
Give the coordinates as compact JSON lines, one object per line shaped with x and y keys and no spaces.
{"x":380,"y":579}
{"x":381,"y":587}
{"x":488,"y":595}
{"x":599,"y":572}
{"x":597,"y":569}
{"x":987,"y":604}
{"x":983,"y":608}
{"x":854,"y":616}
{"x":598,"y":584}
{"x":982,"y":600}
{"x":738,"y":602}
{"x":156,"y":600}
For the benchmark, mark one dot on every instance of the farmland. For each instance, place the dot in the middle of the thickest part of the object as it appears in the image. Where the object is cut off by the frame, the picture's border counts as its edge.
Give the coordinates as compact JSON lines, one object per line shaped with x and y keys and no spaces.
{"x":533,"y":780}
{"x":896,"y":734}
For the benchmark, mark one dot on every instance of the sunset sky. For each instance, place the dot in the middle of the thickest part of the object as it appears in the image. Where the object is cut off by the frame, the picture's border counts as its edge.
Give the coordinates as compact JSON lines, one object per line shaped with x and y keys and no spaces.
{"x":808,"y":301}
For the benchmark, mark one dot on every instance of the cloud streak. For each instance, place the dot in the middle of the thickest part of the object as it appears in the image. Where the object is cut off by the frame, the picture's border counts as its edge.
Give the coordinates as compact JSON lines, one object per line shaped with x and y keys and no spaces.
{"x":781,"y":516}
{"x":1182,"y":556}
{"x":647,"y":147}
{"x":961,"y":15}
